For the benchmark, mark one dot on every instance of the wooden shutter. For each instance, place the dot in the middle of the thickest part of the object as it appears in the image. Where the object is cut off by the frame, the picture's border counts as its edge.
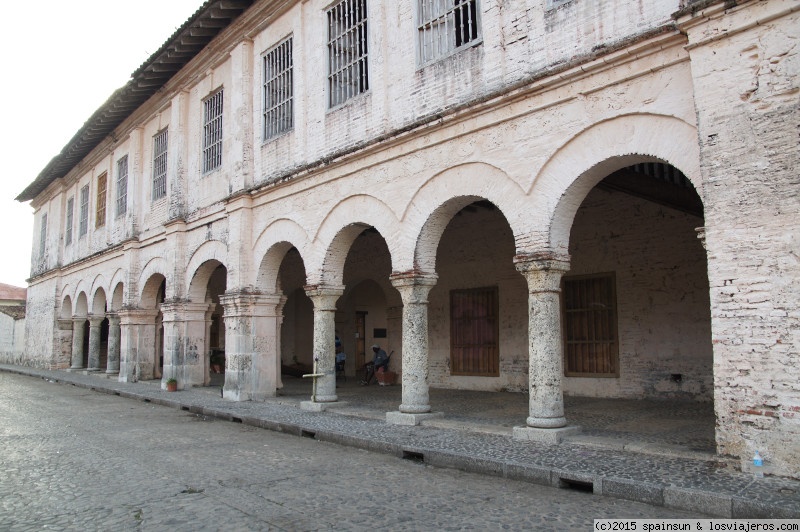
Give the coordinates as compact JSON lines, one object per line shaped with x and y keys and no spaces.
{"x":474,"y":331}
{"x":590,"y":326}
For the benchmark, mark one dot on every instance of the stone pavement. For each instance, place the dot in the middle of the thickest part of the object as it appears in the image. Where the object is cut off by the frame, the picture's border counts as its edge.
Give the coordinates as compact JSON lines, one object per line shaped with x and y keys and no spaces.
{"x":683,"y":476}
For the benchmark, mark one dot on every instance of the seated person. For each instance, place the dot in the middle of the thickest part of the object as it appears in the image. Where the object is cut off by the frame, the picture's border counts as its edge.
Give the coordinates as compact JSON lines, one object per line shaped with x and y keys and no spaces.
{"x":340,"y":357}
{"x":380,"y":362}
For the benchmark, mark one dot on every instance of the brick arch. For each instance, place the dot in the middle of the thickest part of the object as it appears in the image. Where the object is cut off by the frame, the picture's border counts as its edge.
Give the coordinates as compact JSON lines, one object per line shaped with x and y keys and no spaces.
{"x":446,"y":193}
{"x":339,"y":230}
{"x":272,"y":245}
{"x":81,"y":305}
{"x":155,"y":266}
{"x":149,"y":297}
{"x":66,"y":307}
{"x":581,"y":163}
{"x":99,"y":302}
{"x":117,"y":288}
{"x":212,"y":250}
{"x":99,"y":283}
{"x":117,"y":296}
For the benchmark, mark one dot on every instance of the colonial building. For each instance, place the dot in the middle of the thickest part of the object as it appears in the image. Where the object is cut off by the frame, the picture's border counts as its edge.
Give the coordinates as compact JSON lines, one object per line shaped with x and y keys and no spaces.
{"x":553,"y":196}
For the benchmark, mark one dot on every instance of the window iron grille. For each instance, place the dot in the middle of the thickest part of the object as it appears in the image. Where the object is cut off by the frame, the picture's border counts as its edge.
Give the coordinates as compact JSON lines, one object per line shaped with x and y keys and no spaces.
{"x":278,"y":90}
{"x":446,"y":26}
{"x":122,"y":186}
{"x":160,"y":165}
{"x":43,"y":236}
{"x":84,"y":219}
{"x":68,"y":231}
{"x":212,"y":132}
{"x":100,"y":212}
{"x":347,"y":51}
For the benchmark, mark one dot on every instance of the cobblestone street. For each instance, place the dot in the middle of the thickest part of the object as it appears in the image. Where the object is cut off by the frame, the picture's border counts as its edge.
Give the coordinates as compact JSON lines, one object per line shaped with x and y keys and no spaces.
{"x":79,"y":460}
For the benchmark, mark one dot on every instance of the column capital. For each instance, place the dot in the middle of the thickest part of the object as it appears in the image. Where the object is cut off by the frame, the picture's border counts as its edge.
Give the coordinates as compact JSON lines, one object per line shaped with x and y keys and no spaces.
{"x":414,"y":287}
{"x":324,"y":296}
{"x":137,"y":316}
{"x":544,"y":260}
{"x":65,"y":324}
{"x":249,"y":304}
{"x":113,"y":317}
{"x":180,"y":311}
{"x":543,"y":271}
{"x":94,"y":320}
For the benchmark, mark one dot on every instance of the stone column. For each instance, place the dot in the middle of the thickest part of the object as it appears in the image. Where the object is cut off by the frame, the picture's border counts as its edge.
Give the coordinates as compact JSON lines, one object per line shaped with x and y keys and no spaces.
{"x":77,"y":343}
{"x":184,"y":343}
{"x":251,"y":346}
{"x":278,"y":341}
{"x":64,"y":359}
{"x":94,"y":342}
{"x":546,"y":421}
{"x":414,"y":290}
{"x":113,"y":344}
{"x":137,"y":344}
{"x":324,"y":298}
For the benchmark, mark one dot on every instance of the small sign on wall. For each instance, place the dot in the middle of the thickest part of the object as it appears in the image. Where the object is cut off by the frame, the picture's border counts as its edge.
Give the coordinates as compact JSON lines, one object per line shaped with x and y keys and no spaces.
{"x":379,"y":333}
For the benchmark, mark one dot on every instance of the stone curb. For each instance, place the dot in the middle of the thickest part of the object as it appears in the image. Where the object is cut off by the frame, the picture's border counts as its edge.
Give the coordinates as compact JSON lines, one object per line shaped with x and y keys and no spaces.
{"x":692,"y":500}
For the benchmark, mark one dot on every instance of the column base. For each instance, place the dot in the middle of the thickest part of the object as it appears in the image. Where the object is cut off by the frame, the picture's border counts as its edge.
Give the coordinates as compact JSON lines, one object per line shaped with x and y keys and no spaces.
{"x":547,"y":436}
{"x":313,"y":406}
{"x":112,"y":372}
{"x":404,"y":418}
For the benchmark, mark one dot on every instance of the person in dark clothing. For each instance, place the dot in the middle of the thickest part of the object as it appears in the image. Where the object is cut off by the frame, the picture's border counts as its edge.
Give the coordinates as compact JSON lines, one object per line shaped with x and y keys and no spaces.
{"x":380,"y":362}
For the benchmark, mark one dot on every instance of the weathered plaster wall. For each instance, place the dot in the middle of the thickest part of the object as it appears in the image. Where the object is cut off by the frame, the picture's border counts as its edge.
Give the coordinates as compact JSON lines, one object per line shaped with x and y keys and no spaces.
{"x":747,"y":82}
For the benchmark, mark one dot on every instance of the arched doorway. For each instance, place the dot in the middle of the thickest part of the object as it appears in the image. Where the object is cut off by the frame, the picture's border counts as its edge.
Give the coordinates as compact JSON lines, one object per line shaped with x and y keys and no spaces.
{"x":636,"y":320}
{"x":150,"y":363}
{"x":478,"y":294}
{"x":204,"y":325}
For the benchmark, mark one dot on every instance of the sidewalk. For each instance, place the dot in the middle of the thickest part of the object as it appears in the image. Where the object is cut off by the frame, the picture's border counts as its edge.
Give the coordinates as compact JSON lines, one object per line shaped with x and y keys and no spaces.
{"x":472,"y":440}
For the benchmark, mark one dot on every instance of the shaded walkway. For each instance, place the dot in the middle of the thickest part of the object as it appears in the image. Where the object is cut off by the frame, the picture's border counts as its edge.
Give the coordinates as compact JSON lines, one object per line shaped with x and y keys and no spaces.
{"x":712,"y":487}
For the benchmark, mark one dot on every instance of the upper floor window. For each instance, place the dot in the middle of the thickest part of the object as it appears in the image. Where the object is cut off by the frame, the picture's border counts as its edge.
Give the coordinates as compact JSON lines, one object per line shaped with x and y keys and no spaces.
{"x":347,"y":51}
{"x":278,"y":90}
{"x":68,"y":231}
{"x":212,"y":132}
{"x":43,"y":236}
{"x":160,"y":165}
{"x":590,"y":326}
{"x":84,"y":219}
{"x":122,"y":186}
{"x":100,"y":212}
{"x":446,"y":26}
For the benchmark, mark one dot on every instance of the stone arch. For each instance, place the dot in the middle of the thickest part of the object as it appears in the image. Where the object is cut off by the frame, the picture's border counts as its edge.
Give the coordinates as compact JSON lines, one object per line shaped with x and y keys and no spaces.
{"x":446,"y":193}
{"x":565,"y":180}
{"x":348,"y":219}
{"x":81,"y":305}
{"x":98,"y":283}
{"x":198,"y":285}
{"x":117,"y":280}
{"x":116,"y":297}
{"x":66,"y":308}
{"x":99,"y":302}
{"x":149,"y":298}
{"x":272,"y":245}
{"x":210,"y":251}
{"x":156,"y":266}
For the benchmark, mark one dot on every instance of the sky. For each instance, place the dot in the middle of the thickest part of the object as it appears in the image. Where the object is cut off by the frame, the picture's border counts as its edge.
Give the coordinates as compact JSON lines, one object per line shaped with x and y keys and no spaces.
{"x":62,"y":60}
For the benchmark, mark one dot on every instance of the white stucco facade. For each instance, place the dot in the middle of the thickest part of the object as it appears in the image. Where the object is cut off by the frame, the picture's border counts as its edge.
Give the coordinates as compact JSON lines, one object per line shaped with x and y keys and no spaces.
{"x":506,"y":165}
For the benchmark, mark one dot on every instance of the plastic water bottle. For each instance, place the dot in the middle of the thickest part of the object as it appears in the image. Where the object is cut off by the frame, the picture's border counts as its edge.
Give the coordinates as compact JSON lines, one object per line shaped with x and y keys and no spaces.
{"x":758,"y":466}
